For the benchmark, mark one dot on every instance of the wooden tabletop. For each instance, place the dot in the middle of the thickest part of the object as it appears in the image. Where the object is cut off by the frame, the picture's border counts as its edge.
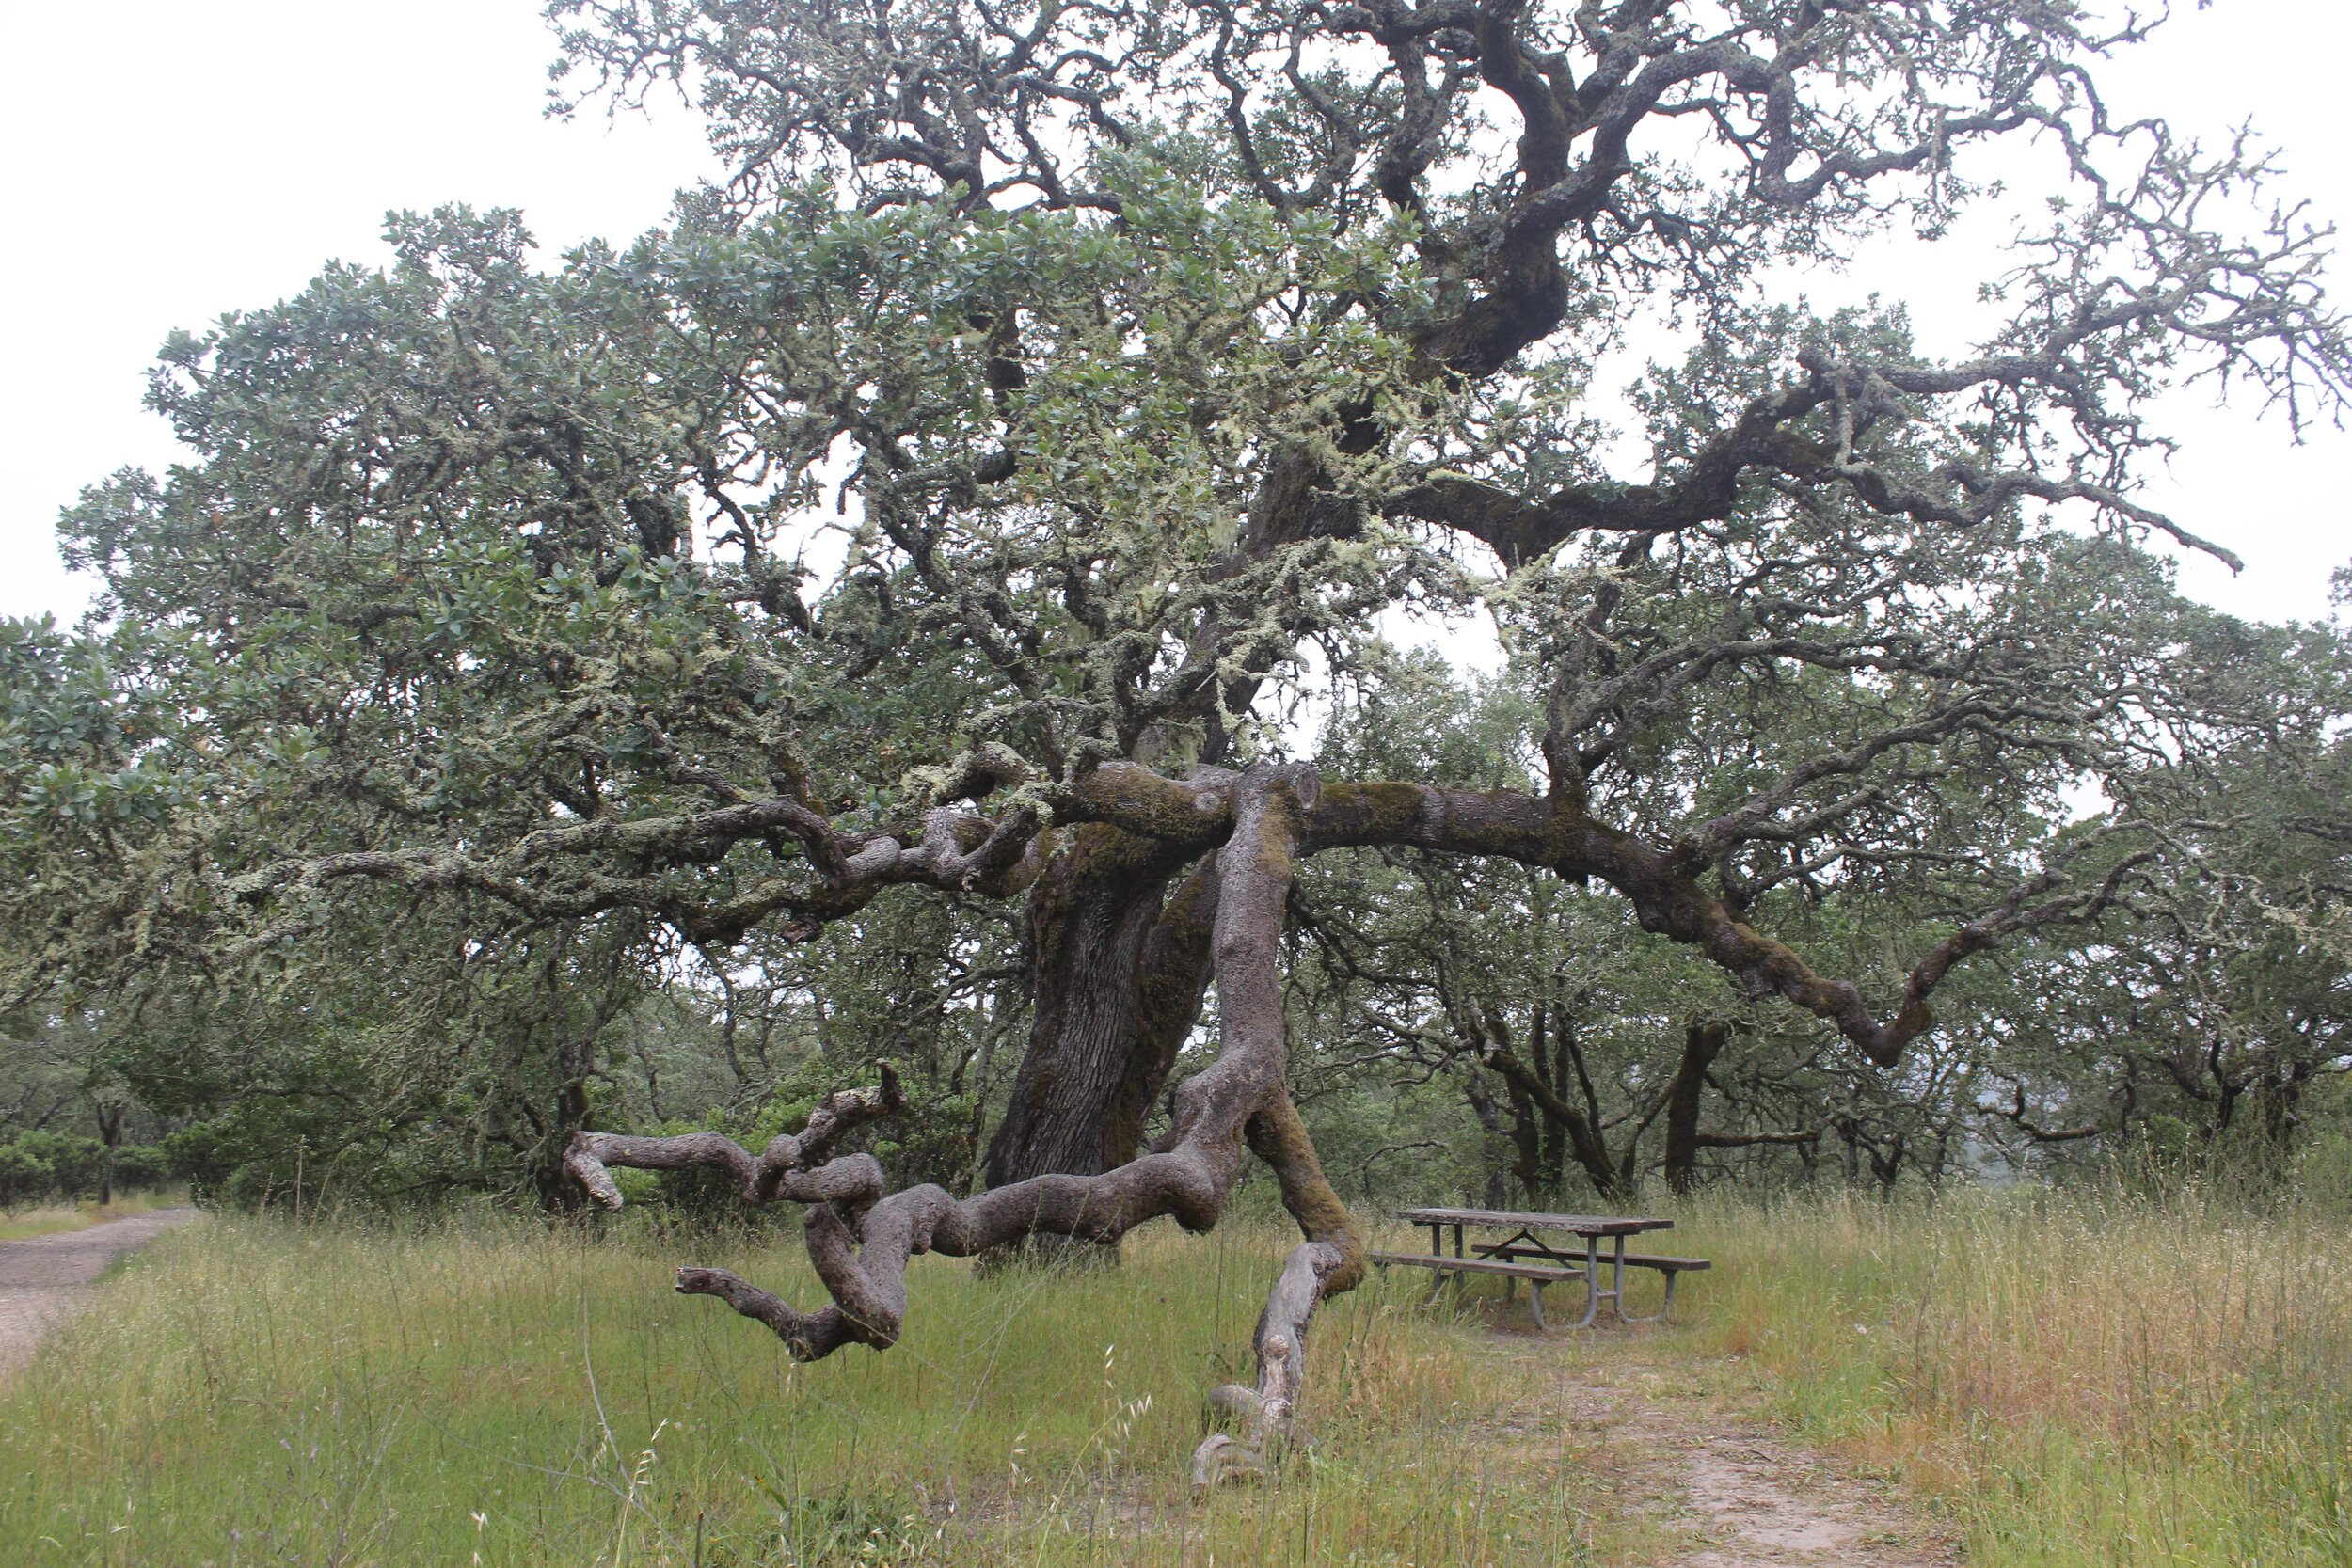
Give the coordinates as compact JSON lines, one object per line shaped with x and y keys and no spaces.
{"x":1582,"y":1225}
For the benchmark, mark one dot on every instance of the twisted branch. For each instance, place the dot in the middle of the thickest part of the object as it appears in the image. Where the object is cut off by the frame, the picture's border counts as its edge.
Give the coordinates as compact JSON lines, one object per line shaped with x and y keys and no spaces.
{"x":860,"y":1239}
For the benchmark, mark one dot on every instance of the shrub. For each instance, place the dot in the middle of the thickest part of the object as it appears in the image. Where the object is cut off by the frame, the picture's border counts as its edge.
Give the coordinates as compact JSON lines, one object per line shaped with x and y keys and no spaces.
{"x":37,"y":1166}
{"x":141,"y":1165}
{"x":76,"y":1165}
{"x":25,"y":1176}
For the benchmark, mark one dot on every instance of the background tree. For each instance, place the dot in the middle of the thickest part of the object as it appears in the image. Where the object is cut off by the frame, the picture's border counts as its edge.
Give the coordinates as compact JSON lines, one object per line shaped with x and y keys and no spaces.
{"x":2197,"y":1018}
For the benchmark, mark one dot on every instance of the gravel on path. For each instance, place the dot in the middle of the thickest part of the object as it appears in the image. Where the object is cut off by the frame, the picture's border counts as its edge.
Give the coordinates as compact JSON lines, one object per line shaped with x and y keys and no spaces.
{"x":45,"y":1278}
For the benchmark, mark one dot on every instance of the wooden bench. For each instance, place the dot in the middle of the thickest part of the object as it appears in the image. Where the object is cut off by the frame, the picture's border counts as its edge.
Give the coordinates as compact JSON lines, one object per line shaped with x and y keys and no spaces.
{"x":1536,"y":1275}
{"x":1668,"y":1266}
{"x":1673,"y":1268}
{"x":1505,"y":1262}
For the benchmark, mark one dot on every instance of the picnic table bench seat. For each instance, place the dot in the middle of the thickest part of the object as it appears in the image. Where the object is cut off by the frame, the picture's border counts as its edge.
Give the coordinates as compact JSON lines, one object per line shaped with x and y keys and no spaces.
{"x":1537,"y":1276}
{"x":1632,"y":1259}
{"x":1543,"y":1273}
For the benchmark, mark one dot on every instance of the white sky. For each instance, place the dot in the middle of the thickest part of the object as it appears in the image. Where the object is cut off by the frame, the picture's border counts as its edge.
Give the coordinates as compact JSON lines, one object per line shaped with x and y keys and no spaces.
{"x":167,"y":161}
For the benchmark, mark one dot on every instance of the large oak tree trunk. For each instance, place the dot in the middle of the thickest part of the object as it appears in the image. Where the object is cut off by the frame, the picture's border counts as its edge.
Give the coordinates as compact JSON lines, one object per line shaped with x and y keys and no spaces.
{"x":1119,"y":969}
{"x":1090,"y":915}
{"x":1170,"y":988}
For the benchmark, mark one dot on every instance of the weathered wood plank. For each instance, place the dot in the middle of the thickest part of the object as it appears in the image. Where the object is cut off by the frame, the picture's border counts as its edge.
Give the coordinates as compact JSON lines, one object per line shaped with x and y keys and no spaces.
{"x":1477,"y":1265}
{"x":1583,"y":1224}
{"x":1632,"y":1259}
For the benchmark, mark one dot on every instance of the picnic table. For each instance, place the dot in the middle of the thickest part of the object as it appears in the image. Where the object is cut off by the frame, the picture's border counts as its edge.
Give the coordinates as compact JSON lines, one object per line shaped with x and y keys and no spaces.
{"x":1524,"y":1253}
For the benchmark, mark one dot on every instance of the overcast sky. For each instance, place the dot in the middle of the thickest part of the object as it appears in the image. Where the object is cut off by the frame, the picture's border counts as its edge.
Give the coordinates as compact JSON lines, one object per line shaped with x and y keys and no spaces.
{"x":168,"y":160}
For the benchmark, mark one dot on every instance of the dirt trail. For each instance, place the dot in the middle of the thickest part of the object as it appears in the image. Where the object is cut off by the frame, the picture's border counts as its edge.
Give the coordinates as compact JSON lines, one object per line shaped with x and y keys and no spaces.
{"x":1685,"y":1445}
{"x":44,"y":1278}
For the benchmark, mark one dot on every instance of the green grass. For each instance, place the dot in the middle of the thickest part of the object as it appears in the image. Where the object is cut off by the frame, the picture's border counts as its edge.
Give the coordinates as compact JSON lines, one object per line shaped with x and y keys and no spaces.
{"x":2063,"y":1380}
{"x":257,"y":1393}
{"x":50,"y":1219}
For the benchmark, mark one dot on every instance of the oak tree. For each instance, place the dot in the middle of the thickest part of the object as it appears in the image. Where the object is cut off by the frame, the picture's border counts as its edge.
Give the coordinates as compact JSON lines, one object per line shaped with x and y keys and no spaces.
{"x":957,"y":502}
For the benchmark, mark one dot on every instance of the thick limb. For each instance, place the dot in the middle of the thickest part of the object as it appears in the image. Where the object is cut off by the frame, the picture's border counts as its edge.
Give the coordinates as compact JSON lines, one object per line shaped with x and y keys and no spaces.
{"x":860,"y":1241}
{"x":1329,"y":1261}
{"x":1191,"y":818}
{"x":788,"y":1168}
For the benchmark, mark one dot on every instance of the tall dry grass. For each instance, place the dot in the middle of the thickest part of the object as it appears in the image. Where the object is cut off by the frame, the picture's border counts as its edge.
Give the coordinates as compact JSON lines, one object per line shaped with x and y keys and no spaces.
{"x":2073,"y":1378}
{"x":2080,"y":1377}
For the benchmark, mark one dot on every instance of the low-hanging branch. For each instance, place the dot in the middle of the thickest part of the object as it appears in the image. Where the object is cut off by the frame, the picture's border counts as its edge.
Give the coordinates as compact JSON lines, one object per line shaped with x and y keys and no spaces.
{"x":860,"y":1239}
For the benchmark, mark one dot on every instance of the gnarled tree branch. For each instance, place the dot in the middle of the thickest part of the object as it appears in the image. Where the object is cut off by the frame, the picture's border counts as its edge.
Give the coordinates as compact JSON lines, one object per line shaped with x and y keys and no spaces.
{"x":861,"y":1239}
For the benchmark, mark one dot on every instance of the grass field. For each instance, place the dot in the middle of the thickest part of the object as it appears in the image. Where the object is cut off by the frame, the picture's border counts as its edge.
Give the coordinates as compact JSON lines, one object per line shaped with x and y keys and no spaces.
{"x":256,"y":1393}
{"x":2067,"y":1381}
{"x":48,"y":1219}
{"x":2081,"y":1379}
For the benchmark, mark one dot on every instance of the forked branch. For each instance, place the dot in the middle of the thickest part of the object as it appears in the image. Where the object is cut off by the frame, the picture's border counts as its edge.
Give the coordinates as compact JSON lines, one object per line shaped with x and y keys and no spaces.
{"x":783,"y":1169}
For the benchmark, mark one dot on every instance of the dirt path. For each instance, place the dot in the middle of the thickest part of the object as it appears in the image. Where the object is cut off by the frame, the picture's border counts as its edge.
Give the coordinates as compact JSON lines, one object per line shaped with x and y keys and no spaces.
{"x":44,"y":1278}
{"x":1682,"y":1441}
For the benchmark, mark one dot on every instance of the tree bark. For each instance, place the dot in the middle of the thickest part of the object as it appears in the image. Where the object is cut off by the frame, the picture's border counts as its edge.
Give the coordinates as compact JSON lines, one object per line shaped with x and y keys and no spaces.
{"x":1702,"y":1043}
{"x":1120,"y":970}
{"x":110,"y":1130}
{"x":1168,"y":988}
{"x":1086,"y":933}
{"x":559,"y":1194}
{"x":1532,"y":1093}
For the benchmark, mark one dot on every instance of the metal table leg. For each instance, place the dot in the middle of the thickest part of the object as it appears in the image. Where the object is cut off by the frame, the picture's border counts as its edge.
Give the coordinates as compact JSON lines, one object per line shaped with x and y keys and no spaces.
{"x":1592,"y":1291}
{"x":1663,"y":1308}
